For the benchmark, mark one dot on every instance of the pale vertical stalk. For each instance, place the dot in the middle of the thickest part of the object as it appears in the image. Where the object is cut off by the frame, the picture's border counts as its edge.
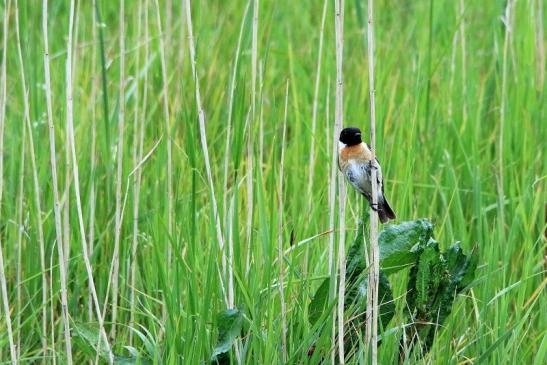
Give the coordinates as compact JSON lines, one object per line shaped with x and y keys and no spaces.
{"x":35,"y":180}
{"x":374,"y":267}
{"x":168,"y":134}
{"x":56,"y":200}
{"x":119,"y":172}
{"x":261,"y":118}
{"x":3,"y":97}
{"x":93,"y":152}
{"x":52,"y":310}
{"x":339,"y":31}
{"x":331,"y":135}
{"x":137,"y":157}
{"x":65,"y":207}
{"x":311,"y":163}
{"x":70,"y":132}
{"x":250,"y":141}
{"x":280,"y":258}
{"x":65,"y":203}
{"x":501,"y":173}
{"x":203,"y":138}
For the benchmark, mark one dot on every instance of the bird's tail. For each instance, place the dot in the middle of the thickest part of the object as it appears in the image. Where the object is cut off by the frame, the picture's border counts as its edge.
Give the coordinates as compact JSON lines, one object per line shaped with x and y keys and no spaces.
{"x":384,"y":210}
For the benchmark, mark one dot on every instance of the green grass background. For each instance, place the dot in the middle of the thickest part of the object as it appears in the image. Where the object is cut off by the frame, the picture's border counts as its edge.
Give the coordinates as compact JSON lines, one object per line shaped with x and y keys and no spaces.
{"x":438,"y":127}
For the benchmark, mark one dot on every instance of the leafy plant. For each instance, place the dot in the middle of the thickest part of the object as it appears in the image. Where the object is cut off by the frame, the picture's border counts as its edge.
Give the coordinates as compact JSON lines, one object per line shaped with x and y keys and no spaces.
{"x":434,"y":281}
{"x":229,"y":323}
{"x":433,"y":284}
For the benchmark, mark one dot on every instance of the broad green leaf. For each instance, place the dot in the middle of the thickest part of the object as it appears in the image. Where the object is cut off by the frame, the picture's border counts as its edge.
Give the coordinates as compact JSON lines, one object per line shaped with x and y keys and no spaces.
{"x":400,"y":243}
{"x":229,"y":323}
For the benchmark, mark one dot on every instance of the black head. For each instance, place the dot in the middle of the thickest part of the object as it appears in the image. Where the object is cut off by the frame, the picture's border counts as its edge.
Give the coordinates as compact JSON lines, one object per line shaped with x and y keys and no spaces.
{"x":350,"y":136}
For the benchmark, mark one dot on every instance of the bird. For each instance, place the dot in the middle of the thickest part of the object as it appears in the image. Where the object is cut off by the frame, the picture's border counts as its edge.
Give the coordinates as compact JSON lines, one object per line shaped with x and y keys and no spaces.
{"x":355,"y":163}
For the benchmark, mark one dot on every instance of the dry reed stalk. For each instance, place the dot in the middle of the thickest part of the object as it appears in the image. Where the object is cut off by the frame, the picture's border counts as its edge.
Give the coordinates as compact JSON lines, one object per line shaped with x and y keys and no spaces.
{"x":250,"y":139}
{"x":374,"y":267}
{"x":261,"y":117}
{"x":55,"y":188}
{"x":339,"y":106}
{"x":331,"y":135}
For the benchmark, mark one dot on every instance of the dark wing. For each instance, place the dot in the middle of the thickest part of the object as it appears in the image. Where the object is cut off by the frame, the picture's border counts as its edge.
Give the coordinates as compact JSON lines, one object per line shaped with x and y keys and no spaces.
{"x":379,"y":176}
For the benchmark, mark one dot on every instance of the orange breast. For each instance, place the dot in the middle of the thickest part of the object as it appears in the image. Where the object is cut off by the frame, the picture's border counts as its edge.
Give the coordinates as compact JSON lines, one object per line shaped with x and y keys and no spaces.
{"x":358,"y":152}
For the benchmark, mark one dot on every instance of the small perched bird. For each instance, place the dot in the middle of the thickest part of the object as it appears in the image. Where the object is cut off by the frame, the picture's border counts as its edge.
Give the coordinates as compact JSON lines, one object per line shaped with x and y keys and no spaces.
{"x":355,"y":162}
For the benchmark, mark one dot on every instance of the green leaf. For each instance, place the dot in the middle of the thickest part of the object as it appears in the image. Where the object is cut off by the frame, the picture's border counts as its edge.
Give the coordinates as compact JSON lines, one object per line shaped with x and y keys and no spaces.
{"x":471,"y":266}
{"x":456,"y":262}
{"x":400,"y":244}
{"x":319,"y":302}
{"x":428,"y":279}
{"x":355,"y":260}
{"x":229,"y":323}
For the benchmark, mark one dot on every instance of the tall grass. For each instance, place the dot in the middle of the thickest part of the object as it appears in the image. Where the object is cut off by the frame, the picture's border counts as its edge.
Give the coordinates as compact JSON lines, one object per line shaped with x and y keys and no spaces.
{"x":208,"y":200}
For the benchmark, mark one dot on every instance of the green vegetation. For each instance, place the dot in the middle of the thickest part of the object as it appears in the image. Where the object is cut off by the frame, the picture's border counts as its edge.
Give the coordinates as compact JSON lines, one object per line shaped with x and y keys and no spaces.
{"x":223,"y":227}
